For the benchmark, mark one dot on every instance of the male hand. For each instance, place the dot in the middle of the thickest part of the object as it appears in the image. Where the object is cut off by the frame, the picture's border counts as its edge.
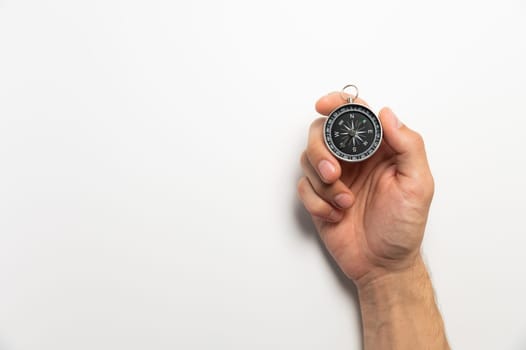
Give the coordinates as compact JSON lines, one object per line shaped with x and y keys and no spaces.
{"x":371,"y":215}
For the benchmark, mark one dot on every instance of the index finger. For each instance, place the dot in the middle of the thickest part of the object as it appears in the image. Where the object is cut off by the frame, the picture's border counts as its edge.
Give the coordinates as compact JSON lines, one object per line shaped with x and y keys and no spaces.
{"x":328,"y":103}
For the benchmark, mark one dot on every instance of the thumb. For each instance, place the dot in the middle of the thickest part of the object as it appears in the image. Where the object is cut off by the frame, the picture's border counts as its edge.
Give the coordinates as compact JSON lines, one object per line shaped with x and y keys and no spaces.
{"x":407,"y":144}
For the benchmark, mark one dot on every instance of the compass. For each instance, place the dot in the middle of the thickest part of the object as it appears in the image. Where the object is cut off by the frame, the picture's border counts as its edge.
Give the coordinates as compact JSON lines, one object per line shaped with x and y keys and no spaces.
{"x":352,"y":132}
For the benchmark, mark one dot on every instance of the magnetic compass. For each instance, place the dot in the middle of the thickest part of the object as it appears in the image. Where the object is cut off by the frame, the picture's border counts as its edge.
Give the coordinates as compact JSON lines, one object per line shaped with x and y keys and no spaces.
{"x":352,"y":132}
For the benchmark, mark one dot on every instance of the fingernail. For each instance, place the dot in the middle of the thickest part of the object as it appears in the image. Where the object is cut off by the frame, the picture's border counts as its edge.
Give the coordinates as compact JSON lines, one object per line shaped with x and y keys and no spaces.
{"x":326,"y":169}
{"x":343,"y":200}
{"x":335,"y":215}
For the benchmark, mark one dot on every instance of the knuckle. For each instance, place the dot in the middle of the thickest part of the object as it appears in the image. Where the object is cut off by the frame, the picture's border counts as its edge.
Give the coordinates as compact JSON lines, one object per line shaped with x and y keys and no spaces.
{"x":318,"y":208}
{"x":430,"y":187}
{"x":316,"y":123}
{"x":418,"y":140}
{"x":302,"y":186}
{"x":303,"y":158}
{"x":312,"y":154}
{"x":315,"y":145}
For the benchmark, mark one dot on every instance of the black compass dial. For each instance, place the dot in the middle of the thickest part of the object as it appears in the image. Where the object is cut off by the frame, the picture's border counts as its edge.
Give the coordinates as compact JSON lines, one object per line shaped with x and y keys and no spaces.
{"x":353,"y":132}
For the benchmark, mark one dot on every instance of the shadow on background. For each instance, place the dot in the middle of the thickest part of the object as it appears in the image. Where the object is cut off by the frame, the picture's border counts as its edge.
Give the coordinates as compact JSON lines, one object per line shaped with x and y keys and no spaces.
{"x":3,"y":346}
{"x":308,"y":229}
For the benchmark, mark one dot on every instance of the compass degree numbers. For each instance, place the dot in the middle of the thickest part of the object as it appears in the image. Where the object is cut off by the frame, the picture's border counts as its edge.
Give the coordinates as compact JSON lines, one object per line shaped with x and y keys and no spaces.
{"x":353,"y":132}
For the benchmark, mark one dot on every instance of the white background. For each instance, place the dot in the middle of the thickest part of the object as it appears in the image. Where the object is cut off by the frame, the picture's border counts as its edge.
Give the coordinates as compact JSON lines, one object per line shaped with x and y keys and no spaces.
{"x":149,"y":157}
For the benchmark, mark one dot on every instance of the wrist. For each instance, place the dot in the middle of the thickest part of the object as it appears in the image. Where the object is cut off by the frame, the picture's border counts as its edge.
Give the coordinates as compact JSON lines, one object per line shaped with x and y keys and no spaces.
{"x":395,"y":285}
{"x":399,"y":310}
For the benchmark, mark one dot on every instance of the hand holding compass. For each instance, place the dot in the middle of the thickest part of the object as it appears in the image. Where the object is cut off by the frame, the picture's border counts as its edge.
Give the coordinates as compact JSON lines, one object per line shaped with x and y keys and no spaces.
{"x":370,"y":214}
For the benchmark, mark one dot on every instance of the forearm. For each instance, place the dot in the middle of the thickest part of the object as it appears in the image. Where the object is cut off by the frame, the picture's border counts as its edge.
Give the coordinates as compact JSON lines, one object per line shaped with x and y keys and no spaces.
{"x":399,"y":311}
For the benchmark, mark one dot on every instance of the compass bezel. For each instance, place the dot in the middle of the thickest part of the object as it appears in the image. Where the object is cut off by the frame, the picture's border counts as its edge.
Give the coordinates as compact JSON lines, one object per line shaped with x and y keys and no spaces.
{"x":350,"y":108}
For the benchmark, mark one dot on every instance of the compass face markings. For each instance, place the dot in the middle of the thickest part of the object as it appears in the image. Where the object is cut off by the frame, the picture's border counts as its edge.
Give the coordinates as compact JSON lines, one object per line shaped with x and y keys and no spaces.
{"x":357,"y":129}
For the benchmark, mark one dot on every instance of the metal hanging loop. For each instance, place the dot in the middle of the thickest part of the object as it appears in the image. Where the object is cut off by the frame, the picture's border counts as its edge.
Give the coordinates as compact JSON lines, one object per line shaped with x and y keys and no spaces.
{"x":351,"y":97}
